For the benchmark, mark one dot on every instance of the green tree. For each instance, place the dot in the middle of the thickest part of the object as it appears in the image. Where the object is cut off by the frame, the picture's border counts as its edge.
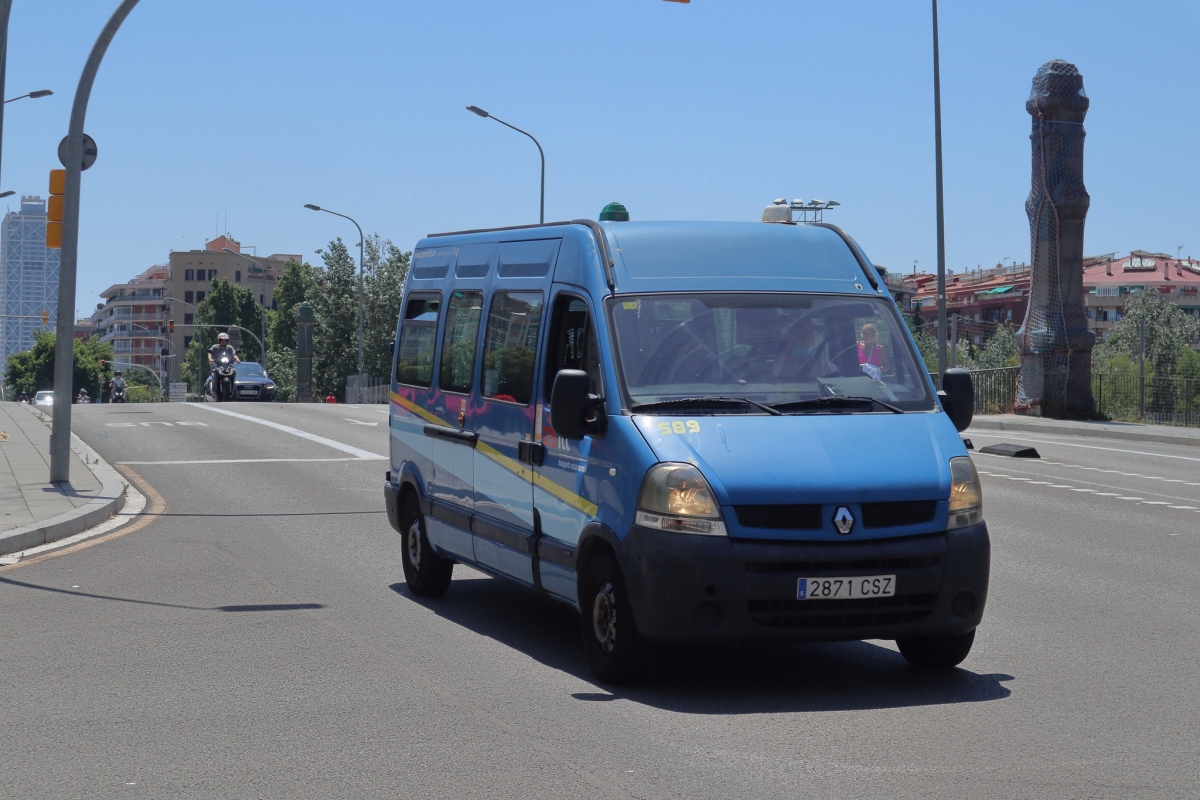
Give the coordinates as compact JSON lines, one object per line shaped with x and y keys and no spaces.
{"x":294,"y":287}
{"x":32,"y":370}
{"x":1000,"y":350}
{"x":1167,"y":327}
{"x":383,"y":287}
{"x":334,"y":298}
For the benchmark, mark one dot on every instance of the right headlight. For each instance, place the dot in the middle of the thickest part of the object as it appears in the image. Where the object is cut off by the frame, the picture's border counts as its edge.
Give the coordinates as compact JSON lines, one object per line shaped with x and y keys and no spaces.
{"x":966,"y":495}
{"x":675,"y":497}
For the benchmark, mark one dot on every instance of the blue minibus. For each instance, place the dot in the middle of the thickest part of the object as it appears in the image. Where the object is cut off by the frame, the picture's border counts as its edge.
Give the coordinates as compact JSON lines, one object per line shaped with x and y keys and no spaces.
{"x":690,"y":432}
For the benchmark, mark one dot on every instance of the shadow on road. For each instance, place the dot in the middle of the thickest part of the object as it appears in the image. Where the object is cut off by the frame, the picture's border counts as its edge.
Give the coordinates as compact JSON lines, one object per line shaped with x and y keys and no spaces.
{"x":744,"y":679}
{"x":114,"y":599}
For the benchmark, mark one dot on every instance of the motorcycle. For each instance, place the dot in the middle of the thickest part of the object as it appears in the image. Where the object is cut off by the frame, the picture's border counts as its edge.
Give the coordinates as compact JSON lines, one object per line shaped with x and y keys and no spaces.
{"x":221,"y":380}
{"x":118,"y":393}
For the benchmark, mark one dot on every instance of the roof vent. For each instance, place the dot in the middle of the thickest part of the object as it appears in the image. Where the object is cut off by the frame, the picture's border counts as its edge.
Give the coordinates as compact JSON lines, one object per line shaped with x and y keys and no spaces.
{"x":779,"y":211}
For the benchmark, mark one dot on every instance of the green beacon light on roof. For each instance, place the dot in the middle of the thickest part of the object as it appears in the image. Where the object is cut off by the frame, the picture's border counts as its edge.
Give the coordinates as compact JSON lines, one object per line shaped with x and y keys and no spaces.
{"x":614,"y":212}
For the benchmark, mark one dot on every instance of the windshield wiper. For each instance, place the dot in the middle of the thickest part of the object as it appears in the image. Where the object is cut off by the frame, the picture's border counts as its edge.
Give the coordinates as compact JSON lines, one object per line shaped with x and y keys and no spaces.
{"x":837,"y":401}
{"x":709,"y":402}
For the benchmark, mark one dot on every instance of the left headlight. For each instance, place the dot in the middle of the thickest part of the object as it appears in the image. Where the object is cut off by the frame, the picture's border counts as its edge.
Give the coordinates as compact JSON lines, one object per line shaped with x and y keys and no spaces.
{"x":966,"y":495}
{"x":675,"y":497}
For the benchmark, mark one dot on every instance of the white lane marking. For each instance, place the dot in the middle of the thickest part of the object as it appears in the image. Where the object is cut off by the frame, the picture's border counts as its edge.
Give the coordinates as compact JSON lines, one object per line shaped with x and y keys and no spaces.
{"x":1156,"y":503}
{"x":1128,"y":498}
{"x":252,"y":461}
{"x":1186,"y":508}
{"x":1077,"y":489}
{"x":356,"y":422}
{"x":1106,"y":494}
{"x":312,"y":437}
{"x":1059,"y":486}
{"x":1005,"y":435}
{"x":1039,"y":483}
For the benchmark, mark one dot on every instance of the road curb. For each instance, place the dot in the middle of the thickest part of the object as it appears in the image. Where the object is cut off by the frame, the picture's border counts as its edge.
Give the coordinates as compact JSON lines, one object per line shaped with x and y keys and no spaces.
{"x":1098,"y":430}
{"x":102,"y":508}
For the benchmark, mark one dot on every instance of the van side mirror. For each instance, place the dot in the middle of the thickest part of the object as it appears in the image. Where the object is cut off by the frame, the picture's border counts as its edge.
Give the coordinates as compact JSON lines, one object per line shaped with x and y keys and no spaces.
{"x":392,"y":346}
{"x":958,"y":397}
{"x":574,"y":411}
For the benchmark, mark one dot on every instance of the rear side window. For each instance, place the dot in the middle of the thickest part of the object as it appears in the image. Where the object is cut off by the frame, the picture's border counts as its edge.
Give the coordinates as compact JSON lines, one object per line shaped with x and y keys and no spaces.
{"x":418,"y":334}
{"x":510,"y":346}
{"x":459,"y":341}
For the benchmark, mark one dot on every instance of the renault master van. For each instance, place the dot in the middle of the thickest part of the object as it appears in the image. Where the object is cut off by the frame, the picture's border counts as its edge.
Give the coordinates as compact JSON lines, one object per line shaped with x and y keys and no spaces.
{"x":689,"y":432}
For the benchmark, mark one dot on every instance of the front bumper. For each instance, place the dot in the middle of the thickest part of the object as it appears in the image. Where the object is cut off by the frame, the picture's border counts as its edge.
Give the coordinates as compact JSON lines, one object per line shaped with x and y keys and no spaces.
{"x":687,"y":588}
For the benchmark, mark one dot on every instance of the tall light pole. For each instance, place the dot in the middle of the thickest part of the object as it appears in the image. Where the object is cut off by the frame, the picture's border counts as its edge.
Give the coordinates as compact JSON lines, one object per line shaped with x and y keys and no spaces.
{"x":262,"y":319}
{"x":486,"y":115}
{"x":159,"y":337}
{"x":64,"y":352}
{"x":941,"y":225}
{"x":312,"y":207}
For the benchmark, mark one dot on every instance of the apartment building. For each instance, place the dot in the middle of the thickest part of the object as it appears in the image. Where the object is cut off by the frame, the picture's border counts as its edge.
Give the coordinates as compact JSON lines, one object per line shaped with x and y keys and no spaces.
{"x":1110,"y":281}
{"x":132,"y":319}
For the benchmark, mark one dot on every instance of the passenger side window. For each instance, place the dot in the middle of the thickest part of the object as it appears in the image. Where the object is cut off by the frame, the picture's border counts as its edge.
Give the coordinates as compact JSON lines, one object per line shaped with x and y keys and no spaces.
{"x":458,"y":343}
{"x":572,"y":343}
{"x":418,"y":334}
{"x":510,"y":346}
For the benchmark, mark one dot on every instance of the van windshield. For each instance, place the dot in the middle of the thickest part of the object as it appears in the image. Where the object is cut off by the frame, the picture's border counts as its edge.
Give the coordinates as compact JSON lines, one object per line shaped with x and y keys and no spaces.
{"x":738,"y":352}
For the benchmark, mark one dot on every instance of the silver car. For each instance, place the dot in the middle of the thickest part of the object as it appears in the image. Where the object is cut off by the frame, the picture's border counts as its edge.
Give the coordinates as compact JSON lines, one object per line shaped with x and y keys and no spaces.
{"x":45,"y":398}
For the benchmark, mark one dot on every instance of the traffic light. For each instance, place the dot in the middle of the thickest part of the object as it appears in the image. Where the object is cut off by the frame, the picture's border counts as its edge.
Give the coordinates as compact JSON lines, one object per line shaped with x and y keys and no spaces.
{"x":45,"y":318}
{"x":170,"y":326}
{"x":54,"y":208}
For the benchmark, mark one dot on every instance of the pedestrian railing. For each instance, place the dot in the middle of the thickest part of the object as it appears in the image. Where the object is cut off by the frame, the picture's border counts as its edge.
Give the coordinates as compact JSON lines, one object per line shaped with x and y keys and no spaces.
{"x":1162,"y":400}
{"x":366,"y":389}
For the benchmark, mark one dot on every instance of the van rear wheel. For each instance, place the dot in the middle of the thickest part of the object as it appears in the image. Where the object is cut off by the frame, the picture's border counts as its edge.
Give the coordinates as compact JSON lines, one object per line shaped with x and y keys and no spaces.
{"x":426,"y":573}
{"x":936,"y":652}
{"x":614,"y":648}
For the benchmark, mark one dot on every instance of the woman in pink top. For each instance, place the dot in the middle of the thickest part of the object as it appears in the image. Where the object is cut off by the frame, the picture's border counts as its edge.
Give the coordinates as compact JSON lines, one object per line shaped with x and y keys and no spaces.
{"x":870,"y":352}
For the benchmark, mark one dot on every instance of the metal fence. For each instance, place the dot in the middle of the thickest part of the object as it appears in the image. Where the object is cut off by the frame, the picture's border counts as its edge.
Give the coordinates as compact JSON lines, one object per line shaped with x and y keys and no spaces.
{"x":1158,"y":400}
{"x":366,"y":389}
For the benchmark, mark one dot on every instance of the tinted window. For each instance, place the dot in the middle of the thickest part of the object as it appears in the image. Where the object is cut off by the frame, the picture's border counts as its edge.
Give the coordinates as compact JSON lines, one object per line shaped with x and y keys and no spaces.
{"x":572,"y":343}
{"x":510,"y":345}
{"x":418,"y":333}
{"x":458,"y":344}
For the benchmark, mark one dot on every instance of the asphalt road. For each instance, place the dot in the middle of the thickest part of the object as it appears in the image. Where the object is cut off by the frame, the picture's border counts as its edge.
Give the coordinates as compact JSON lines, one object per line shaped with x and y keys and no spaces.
{"x":252,"y":637}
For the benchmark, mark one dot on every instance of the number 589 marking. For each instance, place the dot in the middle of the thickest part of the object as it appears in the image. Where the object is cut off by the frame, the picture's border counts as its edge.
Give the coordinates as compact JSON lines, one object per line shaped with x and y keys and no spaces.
{"x":679,"y":426}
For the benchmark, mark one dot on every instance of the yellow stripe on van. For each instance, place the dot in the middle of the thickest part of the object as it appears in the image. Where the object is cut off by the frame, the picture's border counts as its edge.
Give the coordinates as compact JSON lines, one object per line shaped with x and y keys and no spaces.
{"x":516,"y":467}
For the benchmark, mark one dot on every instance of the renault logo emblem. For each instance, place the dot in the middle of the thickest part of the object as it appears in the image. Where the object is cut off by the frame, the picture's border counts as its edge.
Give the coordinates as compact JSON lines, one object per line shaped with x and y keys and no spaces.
{"x":843,"y":521}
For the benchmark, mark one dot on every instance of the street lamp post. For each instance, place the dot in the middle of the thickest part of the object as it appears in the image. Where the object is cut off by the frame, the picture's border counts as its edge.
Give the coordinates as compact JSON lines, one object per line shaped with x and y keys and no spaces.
{"x":542,"y":204}
{"x":60,"y":443}
{"x":262,"y":319}
{"x":160,"y":338}
{"x":941,"y":225}
{"x":312,"y":207}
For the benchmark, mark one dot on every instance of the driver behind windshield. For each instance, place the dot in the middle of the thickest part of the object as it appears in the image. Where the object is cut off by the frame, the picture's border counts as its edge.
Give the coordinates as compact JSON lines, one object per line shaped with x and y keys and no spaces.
{"x":222,"y":349}
{"x":800,"y":354}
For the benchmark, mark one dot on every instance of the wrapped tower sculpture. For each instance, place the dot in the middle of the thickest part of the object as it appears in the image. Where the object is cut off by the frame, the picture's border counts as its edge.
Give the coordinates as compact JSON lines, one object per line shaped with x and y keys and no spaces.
{"x":1054,"y":341}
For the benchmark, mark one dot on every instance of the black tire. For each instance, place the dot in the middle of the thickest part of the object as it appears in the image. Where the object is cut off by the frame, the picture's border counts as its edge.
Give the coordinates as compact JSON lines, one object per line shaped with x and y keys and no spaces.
{"x":615,"y":650}
{"x":936,"y":652}
{"x":426,"y":573}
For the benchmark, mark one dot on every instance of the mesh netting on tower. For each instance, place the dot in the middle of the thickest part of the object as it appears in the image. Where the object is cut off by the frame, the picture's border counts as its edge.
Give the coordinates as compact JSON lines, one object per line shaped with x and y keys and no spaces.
{"x":1054,"y":341}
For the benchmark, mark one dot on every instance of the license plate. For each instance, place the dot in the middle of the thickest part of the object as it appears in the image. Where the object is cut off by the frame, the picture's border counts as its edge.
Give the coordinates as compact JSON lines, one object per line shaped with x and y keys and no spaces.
{"x":856,"y":588}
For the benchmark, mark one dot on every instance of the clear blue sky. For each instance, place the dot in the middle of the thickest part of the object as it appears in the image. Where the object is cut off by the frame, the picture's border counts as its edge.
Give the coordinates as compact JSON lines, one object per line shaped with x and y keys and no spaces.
{"x":218,"y":116}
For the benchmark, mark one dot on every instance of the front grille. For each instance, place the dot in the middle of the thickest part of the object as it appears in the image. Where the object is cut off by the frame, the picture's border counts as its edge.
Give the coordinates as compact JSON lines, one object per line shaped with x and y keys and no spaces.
{"x":780,"y":517}
{"x":843,"y":566}
{"x":897,"y":514}
{"x":819,"y":614}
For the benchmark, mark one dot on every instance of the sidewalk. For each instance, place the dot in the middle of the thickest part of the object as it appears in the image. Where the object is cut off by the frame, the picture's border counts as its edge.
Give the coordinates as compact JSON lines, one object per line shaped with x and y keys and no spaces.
{"x":1129,"y":431}
{"x":34,"y":511}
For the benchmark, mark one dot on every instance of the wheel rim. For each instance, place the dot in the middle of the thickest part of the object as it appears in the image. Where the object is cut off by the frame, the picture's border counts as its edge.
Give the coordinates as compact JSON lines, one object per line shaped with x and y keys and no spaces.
{"x":604,"y":617}
{"x":414,"y":545}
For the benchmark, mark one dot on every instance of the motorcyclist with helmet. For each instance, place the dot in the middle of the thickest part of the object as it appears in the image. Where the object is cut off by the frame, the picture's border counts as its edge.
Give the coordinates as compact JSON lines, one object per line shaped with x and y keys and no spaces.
{"x":222,"y":348}
{"x":116,"y":388}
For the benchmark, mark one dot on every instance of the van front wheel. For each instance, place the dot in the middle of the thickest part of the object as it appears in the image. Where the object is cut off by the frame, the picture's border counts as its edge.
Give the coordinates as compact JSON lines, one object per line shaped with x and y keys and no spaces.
{"x":611,"y":641}
{"x":936,"y":652}
{"x":426,"y":573}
